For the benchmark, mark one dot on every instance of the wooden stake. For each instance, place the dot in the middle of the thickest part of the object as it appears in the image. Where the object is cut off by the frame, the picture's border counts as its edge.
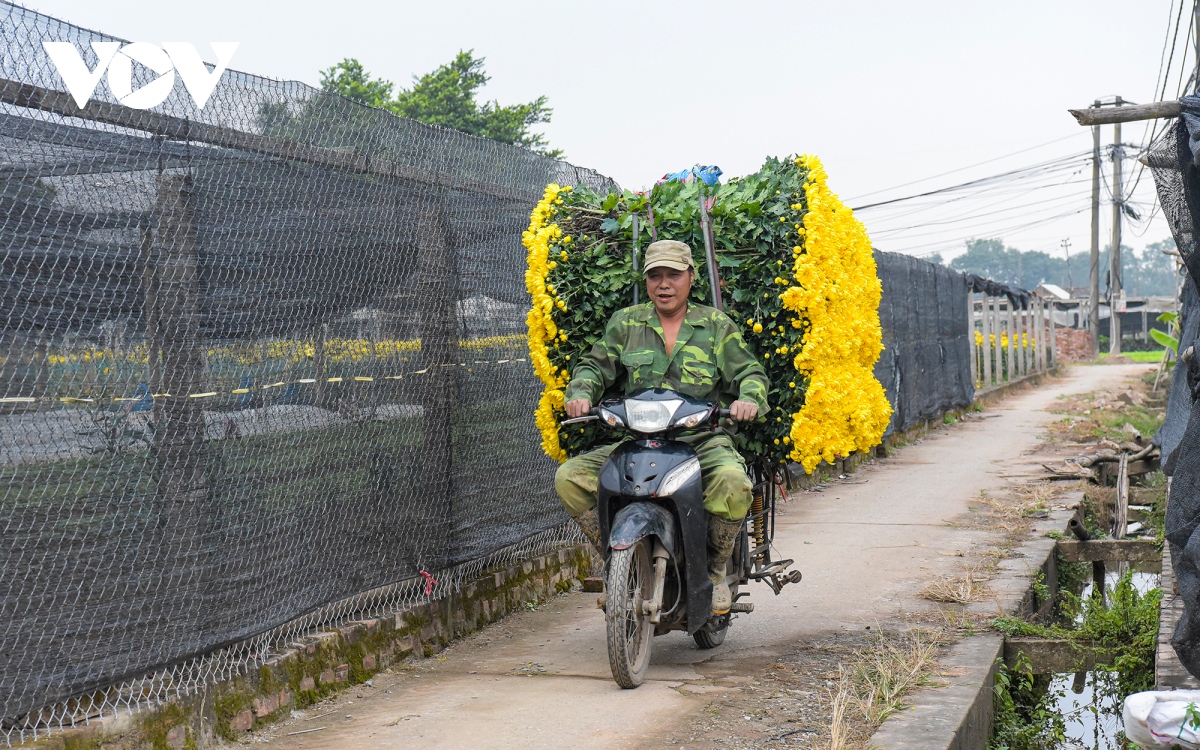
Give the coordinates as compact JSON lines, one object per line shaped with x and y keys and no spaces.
{"x":637,"y":286}
{"x":714,"y":279}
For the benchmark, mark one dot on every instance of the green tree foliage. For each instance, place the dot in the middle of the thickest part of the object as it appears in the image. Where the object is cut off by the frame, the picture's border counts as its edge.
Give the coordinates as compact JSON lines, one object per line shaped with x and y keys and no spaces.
{"x":1148,"y":273}
{"x":447,"y":97}
{"x":1153,"y":273}
{"x":352,"y":81}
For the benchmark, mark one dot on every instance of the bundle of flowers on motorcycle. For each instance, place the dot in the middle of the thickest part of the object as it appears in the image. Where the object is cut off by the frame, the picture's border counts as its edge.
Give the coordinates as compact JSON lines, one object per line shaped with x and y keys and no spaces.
{"x":795,"y":272}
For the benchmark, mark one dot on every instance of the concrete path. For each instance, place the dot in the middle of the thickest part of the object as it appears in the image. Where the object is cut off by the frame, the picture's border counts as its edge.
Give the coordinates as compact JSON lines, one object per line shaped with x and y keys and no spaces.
{"x":866,"y":545}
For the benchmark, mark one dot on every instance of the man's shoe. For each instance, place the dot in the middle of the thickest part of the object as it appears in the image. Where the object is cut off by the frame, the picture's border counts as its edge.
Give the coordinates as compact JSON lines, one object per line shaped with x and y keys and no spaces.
{"x":722,"y":536}
{"x":589,"y":523}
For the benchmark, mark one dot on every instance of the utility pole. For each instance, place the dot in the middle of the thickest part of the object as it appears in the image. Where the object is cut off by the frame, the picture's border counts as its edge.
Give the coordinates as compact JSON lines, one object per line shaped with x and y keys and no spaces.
{"x":1116,"y":298}
{"x":1066,"y":246}
{"x":1094,"y":278}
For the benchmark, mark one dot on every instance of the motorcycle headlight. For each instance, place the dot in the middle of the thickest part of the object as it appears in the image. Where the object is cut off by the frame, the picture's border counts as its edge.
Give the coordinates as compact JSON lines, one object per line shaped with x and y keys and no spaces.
{"x":678,"y":476}
{"x":692,"y":420}
{"x":650,"y":416}
{"x":612,"y":420}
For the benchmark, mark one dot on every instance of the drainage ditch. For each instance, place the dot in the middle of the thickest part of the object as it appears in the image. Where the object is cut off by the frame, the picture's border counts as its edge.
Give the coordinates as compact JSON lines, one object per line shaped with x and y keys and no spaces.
{"x":1065,"y":676}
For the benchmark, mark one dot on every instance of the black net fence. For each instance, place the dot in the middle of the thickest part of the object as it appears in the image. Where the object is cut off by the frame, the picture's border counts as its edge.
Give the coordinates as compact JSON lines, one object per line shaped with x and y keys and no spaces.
{"x":260,"y":361}
{"x":1173,"y":159}
{"x":925,"y":367}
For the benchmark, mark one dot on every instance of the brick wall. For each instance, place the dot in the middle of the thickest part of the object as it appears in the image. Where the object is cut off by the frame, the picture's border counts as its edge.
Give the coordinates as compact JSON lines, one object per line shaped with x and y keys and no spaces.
{"x":1074,"y":344}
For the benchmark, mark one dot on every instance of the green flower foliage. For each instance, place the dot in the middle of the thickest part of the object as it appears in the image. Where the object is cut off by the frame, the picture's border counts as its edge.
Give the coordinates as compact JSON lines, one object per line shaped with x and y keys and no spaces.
{"x":754,"y":233}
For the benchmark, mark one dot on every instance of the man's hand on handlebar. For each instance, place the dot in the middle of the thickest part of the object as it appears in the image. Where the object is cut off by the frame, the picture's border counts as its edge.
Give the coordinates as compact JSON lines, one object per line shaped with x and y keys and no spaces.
{"x":741,"y":411}
{"x":578,"y":408}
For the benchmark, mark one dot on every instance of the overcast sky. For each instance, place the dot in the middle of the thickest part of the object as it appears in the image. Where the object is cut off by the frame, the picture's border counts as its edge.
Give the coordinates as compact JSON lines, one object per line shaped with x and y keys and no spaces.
{"x":884,"y":92}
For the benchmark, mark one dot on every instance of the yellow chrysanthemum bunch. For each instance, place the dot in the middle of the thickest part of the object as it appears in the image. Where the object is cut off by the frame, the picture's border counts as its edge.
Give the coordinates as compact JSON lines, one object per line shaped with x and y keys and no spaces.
{"x":798,"y":277}
{"x":836,"y":297}
{"x":537,"y":239}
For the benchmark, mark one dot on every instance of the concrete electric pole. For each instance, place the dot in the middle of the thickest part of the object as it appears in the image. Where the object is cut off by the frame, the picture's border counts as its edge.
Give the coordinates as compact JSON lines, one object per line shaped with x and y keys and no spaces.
{"x":1094,"y":266}
{"x":1116,"y":298}
{"x":1066,"y":246}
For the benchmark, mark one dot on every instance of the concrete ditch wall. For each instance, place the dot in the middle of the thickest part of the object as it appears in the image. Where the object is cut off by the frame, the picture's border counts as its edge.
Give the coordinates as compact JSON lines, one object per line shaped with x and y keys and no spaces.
{"x":959,"y":715}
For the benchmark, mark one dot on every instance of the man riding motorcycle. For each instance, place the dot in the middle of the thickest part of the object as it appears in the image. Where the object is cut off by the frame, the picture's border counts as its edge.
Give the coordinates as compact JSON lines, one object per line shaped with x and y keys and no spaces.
{"x":671,"y":342}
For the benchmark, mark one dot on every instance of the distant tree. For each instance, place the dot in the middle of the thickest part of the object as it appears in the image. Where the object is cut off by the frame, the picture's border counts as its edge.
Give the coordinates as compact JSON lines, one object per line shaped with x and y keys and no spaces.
{"x":990,"y":258}
{"x":352,"y":81}
{"x":447,"y":97}
{"x":1148,"y":273}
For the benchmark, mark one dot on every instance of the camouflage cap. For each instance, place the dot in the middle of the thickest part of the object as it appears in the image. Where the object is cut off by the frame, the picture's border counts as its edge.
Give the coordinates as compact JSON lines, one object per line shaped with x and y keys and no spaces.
{"x":669,"y":253}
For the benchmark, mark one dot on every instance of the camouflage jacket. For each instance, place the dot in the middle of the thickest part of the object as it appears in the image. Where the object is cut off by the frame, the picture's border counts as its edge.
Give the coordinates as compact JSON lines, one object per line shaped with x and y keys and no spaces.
{"x":711,"y":360}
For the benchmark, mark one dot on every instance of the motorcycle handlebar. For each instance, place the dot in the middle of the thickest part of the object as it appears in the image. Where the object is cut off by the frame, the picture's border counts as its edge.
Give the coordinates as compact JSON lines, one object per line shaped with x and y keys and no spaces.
{"x":594,"y":414}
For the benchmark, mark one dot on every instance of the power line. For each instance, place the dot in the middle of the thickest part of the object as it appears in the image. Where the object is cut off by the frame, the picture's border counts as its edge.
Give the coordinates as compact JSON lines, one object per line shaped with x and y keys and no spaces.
{"x":1001,"y":223}
{"x":978,"y":182}
{"x":960,"y":169}
{"x":974,"y":216}
{"x":956,"y":242}
{"x":1152,"y":125}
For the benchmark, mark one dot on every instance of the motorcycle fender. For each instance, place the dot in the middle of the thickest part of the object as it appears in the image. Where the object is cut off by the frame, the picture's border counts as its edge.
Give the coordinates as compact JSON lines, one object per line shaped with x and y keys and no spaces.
{"x":637,"y":521}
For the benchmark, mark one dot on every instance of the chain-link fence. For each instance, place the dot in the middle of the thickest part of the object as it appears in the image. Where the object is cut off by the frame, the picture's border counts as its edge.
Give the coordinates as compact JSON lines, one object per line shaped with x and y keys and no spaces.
{"x":263,"y":363}
{"x":257,"y":359}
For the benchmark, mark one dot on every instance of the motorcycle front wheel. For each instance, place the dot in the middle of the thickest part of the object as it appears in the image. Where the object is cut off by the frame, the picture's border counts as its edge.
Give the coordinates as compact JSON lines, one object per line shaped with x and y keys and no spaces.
{"x":630,"y":582}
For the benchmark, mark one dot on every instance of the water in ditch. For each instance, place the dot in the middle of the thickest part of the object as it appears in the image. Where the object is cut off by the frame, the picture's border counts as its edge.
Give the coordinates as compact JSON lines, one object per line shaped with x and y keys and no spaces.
{"x":1090,"y":702}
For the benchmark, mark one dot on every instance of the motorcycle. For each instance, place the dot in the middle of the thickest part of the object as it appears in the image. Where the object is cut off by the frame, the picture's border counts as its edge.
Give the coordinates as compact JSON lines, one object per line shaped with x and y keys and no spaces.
{"x":655,"y":527}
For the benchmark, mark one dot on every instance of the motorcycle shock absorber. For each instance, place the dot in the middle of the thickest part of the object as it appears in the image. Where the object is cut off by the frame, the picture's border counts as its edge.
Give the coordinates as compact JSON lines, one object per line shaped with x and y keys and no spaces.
{"x":758,"y":525}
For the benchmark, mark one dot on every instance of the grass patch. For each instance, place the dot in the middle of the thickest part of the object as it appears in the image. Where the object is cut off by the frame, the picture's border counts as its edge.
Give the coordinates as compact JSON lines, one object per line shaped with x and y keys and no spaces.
{"x":1027,"y":716}
{"x":1128,"y":626}
{"x":872,"y":684}
{"x":1095,"y":416}
{"x":958,"y":590}
{"x":1143,"y":356}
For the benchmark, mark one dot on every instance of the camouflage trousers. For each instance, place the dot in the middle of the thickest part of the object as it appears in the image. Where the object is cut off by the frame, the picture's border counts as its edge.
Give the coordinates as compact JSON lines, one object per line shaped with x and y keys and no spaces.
{"x":727,"y":487}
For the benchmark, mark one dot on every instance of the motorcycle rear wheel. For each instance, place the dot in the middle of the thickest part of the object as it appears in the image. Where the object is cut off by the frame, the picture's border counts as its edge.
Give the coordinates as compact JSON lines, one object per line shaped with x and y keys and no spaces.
{"x":630,"y":582}
{"x":709,"y":636}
